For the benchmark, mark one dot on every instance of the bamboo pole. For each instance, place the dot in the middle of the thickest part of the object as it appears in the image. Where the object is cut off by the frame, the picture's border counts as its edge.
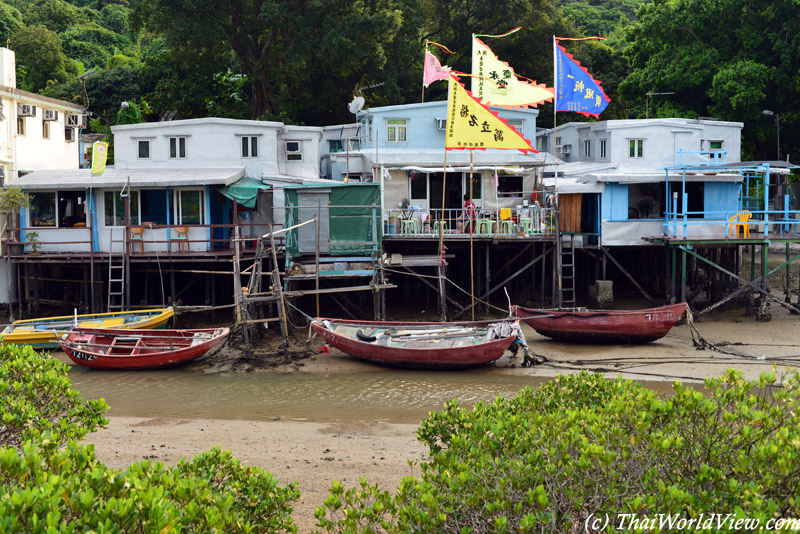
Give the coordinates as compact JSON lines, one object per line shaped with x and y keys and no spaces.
{"x":276,"y":285}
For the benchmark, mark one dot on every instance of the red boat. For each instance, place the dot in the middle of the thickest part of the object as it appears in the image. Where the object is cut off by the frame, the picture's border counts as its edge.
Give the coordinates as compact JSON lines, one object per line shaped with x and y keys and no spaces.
{"x":102,"y":348}
{"x":421,"y":345}
{"x":603,"y":326}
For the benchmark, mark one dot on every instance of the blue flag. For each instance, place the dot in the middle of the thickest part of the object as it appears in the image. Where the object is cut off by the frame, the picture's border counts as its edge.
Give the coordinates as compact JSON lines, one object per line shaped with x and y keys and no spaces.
{"x":576,"y":90}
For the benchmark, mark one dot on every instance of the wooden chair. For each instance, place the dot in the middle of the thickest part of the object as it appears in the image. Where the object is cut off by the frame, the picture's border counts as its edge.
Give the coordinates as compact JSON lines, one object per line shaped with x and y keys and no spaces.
{"x":181,"y":235}
{"x":740,"y":220}
{"x":137,"y":237}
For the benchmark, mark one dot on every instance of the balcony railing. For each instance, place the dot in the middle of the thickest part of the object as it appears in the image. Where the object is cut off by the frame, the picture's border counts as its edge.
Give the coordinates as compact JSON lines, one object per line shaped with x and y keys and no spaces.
{"x":508,"y":222}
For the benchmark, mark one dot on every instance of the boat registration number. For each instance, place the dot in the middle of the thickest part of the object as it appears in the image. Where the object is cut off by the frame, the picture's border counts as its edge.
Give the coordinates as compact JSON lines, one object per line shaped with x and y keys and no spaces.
{"x":83,"y":355}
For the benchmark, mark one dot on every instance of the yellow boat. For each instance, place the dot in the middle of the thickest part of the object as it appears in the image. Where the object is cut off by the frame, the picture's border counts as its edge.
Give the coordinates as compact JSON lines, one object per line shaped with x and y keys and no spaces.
{"x":43,"y":333}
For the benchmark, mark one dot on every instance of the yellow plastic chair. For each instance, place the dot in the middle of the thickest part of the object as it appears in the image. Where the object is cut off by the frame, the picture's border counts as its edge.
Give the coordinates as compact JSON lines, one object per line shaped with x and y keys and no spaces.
{"x":740,"y":220}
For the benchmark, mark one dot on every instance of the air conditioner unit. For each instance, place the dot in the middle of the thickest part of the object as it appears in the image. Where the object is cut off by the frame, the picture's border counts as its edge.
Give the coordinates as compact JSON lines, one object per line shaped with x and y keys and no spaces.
{"x":564,"y":149}
{"x":69,"y":135}
{"x":77,"y":121}
{"x":26,"y":110}
{"x":50,"y":115}
{"x":441,"y":124}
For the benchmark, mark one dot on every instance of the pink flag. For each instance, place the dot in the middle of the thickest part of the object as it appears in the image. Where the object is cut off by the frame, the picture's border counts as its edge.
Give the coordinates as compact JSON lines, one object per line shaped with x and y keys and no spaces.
{"x":433,"y":70}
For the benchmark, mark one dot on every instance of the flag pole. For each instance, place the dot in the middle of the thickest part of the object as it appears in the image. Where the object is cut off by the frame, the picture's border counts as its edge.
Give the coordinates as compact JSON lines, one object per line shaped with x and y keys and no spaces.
{"x":423,"y":69}
{"x":471,"y":261}
{"x":555,"y":122}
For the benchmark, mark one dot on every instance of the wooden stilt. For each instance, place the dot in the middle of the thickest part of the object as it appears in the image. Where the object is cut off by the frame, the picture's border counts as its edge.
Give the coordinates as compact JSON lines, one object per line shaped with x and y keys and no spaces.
{"x":276,"y":284}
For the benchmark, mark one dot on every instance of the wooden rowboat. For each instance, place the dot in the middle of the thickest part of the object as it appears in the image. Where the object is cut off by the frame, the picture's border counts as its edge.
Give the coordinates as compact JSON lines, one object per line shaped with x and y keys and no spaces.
{"x":413,"y":344}
{"x":43,"y":333}
{"x":102,"y":348}
{"x":603,"y":326}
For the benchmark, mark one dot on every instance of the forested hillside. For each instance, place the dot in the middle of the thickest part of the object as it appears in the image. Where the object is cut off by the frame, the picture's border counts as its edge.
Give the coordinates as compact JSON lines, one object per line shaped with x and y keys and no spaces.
{"x":299,"y":61}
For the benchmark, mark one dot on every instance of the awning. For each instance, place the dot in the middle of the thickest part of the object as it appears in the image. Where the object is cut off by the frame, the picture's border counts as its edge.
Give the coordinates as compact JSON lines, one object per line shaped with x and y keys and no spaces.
{"x":117,"y":178}
{"x":245,"y":191}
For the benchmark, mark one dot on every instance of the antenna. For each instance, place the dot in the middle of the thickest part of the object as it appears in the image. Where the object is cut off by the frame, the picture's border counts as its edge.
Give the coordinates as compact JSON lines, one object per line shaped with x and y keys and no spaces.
{"x":356,"y":105}
{"x":647,"y":105}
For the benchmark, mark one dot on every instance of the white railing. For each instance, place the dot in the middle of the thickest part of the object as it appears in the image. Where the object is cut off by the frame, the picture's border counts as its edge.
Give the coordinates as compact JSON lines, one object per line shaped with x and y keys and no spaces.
{"x":414,"y":222}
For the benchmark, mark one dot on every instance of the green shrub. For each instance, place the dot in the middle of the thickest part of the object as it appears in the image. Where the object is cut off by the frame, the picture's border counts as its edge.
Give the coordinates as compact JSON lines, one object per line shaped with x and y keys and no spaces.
{"x":37,"y":401}
{"x":51,"y":483}
{"x":582,"y":445}
{"x":67,"y":490}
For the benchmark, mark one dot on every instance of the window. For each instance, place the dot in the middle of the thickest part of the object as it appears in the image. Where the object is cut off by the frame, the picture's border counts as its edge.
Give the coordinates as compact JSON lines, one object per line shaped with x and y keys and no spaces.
{"x":335,"y":145}
{"x":153,"y":206}
{"x":45,"y":130}
{"x":20,"y":126}
{"x":543,"y":142}
{"x":715,"y":145}
{"x":61,"y":209}
{"x":636,"y":148}
{"x":419,"y":185}
{"x":558,"y":142}
{"x":69,"y":135}
{"x":177,"y":147}
{"x":43,"y":209}
{"x":294,"y":151}
{"x":144,"y":150}
{"x":188,"y":206}
{"x":477,"y":182}
{"x":509,"y":185}
{"x":517,"y":124}
{"x":115,"y":208}
{"x":603,"y":152}
{"x":249,"y":146}
{"x":587,"y":149}
{"x":396,"y":130}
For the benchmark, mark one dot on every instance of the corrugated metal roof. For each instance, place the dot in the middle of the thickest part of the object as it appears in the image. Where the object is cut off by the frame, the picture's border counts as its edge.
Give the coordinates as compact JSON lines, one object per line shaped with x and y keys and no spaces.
{"x":82,"y":178}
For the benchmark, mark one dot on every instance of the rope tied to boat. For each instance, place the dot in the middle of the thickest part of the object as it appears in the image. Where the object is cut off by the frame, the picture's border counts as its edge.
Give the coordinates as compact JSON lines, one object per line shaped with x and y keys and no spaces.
{"x":700,"y":343}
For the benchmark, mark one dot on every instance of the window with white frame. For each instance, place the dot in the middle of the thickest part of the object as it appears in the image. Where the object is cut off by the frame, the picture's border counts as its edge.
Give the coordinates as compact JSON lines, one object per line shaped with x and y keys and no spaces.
{"x":114,"y":207}
{"x":715,"y":145}
{"x":188,"y":206}
{"x":143,"y":147}
{"x":294,"y":151}
{"x":603,"y":149}
{"x":636,"y":148}
{"x":249,"y":146}
{"x":177,"y":148}
{"x":587,"y":148}
{"x":58,"y":209}
{"x":543,"y":143}
{"x":21,"y":126}
{"x":45,"y":130}
{"x":517,"y":124}
{"x":396,"y":130}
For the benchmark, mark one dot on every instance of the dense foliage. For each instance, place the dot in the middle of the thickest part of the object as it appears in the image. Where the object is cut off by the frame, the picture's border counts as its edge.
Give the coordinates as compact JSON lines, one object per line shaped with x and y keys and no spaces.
{"x":301,"y":61}
{"x":49,"y":482}
{"x":584,"y":446}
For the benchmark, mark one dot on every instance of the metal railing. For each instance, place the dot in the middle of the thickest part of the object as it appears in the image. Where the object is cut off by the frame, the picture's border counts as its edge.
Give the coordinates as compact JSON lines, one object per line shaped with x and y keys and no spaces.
{"x":413,"y":222}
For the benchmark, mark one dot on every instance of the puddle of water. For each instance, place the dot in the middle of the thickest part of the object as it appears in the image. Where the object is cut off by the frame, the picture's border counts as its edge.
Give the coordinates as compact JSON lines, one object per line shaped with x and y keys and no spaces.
{"x":396,"y":396}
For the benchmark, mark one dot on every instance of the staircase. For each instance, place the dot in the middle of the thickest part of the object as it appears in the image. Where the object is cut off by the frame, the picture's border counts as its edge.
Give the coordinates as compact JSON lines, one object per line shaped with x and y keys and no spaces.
{"x":116,"y":273}
{"x":567,"y":290}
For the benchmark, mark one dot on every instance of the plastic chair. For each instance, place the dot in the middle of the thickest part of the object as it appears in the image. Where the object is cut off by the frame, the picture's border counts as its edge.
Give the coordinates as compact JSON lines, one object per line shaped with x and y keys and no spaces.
{"x":526,"y":225}
{"x":182,"y":237}
{"x":507,"y":226}
{"x":137,"y":237}
{"x":444,"y":224}
{"x":740,"y":220}
{"x":409,"y":226}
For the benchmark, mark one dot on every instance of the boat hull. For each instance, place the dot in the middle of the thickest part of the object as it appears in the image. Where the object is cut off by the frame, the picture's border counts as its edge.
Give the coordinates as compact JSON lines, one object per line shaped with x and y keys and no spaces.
{"x":43,"y":333}
{"x":434,"y":358}
{"x":603,"y":326}
{"x":122,"y":349}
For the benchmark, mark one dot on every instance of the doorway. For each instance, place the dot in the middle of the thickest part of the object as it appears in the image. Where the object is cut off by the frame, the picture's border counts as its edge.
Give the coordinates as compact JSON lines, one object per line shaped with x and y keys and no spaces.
{"x":454,"y":198}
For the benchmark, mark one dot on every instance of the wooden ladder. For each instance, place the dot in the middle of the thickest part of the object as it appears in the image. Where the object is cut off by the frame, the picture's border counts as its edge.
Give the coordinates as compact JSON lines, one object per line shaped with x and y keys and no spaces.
{"x":116,"y":274}
{"x":567,"y":271}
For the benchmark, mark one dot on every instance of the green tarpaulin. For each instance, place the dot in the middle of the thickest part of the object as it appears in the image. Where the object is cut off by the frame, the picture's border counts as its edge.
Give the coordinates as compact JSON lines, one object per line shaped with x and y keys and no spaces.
{"x":353,"y":218}
{"x":245,"y":191}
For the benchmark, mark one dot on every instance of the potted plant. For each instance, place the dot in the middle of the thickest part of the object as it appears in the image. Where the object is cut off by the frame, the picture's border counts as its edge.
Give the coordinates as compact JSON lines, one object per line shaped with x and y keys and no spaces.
{"x":392,"y":225}
{"x":32,"y":238}
{"x":12,"y":200}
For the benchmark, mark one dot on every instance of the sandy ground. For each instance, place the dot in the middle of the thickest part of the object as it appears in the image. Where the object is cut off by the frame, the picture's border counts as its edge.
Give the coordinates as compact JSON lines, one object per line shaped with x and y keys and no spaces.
{"x":314,"y":453}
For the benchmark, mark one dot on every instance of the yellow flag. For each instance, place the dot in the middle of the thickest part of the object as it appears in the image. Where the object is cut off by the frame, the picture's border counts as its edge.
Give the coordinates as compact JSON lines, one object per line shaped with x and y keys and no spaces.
{"x":99,"y":156}
{"x":473,"y":126}
{"x":497,"y":85}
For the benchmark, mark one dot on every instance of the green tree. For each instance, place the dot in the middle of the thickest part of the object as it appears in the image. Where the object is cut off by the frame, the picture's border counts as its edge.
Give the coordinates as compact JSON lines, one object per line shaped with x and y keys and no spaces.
{"x":56,"y":15}
{"x":39,"y":58}
{"x":10,"y":21}
{"x":285,"y":48}
{"x":725,"y":59}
